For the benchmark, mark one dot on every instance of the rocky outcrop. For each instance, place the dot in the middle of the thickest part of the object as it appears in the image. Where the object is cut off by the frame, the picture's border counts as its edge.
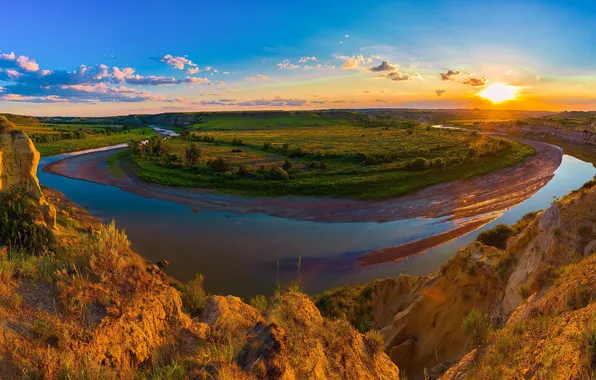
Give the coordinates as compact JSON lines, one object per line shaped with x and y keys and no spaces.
{"x":18,"y":166}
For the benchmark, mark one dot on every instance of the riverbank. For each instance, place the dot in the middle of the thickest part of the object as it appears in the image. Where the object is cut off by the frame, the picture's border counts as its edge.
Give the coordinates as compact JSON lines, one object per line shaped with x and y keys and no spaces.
{"x":492,"y":192}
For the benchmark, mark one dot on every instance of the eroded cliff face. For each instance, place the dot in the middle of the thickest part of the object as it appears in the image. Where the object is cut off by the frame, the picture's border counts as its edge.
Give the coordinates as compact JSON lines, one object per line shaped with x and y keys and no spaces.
{"x":421,"y":318}
{"x":18,"y":166}
{"x":18,"y":161}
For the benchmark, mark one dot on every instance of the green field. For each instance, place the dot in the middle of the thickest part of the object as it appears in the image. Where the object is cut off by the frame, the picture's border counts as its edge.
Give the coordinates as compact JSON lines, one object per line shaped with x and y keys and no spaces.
{"x":327,"y":159}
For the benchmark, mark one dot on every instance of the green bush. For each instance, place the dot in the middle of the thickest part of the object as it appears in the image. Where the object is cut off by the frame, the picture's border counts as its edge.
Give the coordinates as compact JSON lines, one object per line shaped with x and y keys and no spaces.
{"x":279,"y":174}
{"x":246,"y":170}
{"x":236,"y":141}
{"x":19,"y":229}
{"x":220,"y":165}
{"x":194,"y":298}
{"x":476,"y":325}
{"x":287,"y":165}
{"x":496,"y":236}
{"x":419,"y":163}
{"x":370,"y":160}
{"x":423,"y":152}
{"x":439,"y":163}
{"x":260,"y":303}
{"x":267,"y":146}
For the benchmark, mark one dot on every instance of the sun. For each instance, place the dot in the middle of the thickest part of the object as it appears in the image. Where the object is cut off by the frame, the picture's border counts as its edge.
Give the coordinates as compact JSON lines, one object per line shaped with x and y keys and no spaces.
{"x":499,"y":92}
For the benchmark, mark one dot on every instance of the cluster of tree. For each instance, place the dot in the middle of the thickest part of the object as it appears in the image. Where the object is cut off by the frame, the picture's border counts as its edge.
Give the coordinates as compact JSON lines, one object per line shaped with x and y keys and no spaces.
{"x":38,"y":138}
{"x":387,"y":122}
{"x":155,"y":147}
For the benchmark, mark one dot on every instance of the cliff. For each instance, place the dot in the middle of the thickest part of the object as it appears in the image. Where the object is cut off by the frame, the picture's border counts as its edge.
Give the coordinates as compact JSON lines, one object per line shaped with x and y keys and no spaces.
{"x":89,"y":307}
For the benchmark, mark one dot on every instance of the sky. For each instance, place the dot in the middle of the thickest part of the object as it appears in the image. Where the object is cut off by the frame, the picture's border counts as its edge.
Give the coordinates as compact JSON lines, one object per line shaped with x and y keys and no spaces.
{"x":77,"y":58}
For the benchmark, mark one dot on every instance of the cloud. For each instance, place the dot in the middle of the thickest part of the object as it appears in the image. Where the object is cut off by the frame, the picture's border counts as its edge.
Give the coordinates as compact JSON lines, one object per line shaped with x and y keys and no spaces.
{"x":120,"y":75}
{"x":192,"y":70}
{"x":306,"y":59}
{"x":476,"y":82}
{"x":177,"y":62}
{"x":384,"y":66}
{"x":440,"y":92}
{"x":354,"y":62}
{"x":347,"y":36}
{"x":454,"y":75}
{"x":258,"y":76}
{"x":27,"y":63}
{"x":7,"y":57}
{"x":399,"y":76}
{"x":450,"y":75}
{"x":287,"y":64}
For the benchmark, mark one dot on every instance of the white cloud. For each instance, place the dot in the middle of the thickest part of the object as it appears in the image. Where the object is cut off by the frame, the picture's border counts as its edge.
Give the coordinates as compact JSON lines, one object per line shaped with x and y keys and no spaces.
{"x":287,"y":64}
{"x":177,"y":62}
{"x":192,"y":70}
{"x":306,"y":59}
{"x":27,"y":63}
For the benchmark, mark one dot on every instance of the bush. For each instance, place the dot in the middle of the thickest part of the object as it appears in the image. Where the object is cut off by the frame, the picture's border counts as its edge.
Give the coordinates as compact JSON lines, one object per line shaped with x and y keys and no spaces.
{"x":279,"y":174}
{"x":578,"y":298}
{"x":496,"y":236}
{"x":419,"y":163}
{"x":19,"y":229}
{"x":297,"y":152}
{"x":323,"y":165}
{"x":267,"y":146}
{"x":370,"y":160}
{"x":314,"y":165}
{"x":287,"y":165}
{"x":260,"y":303}
{"x":246,"y":170}
{"x":236,"y":141}
{"x":476,"y":326}
{"x":194,"y":298}
{"x":236,"y":150}
{"x":439,"y":163}
{"x":220,"y":165}
{"x":423,"y":152}
{"x":319,"y":154}
{"x":374,"y":341}
{"x":285,"y":148}
{"x":106,"y":249}
{"x":523,"y":292}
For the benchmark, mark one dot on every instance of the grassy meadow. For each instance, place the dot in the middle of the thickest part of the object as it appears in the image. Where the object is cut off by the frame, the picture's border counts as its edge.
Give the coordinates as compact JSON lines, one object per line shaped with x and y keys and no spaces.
{"x":333,"y":157}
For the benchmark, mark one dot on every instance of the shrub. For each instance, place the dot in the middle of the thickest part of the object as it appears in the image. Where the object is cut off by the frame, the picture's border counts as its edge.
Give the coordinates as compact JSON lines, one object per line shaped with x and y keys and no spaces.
{"x":236,"y":150}
{"x":285,"y":148}
{"x":475,"y":325}
{"x":19,"y":229}
{"x":260,"y":303}
{"x":314,"y":165}
{"x":236,"y":141}
{"x":267,"y":146}
{"x":287,"y":165}
{"x":439,"y":163}
{"x":423,"y":152}
{"x":106,"y":249}
{"x":279,"y":174}
{"x":374,"y":341}
{"x":323,"y":165}
{"x":370,"y":160}
{"x":419,"y":163}
{"x":319,"y":154}
{"x":194,"y":298}
{"x":220,"y":165}
{"x":589,"y":341}
{"x":496,"y":236}
{"x":523,"y":292}
{"x":246,"y":170}
{"x":297,"y":152}
{"x":578,"y":298}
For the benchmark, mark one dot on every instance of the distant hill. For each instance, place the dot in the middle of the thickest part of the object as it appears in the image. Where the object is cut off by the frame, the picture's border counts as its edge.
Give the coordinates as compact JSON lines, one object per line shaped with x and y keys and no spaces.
{"x":292,"y":118}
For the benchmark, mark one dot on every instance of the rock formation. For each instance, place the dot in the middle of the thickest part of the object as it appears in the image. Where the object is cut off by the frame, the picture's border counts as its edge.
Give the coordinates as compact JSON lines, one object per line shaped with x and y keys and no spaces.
{"x":18,"y":166}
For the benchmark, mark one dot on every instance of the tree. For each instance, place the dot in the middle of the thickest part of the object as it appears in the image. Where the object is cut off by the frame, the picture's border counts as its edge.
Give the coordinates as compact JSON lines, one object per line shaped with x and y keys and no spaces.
{"x":192,"y":155}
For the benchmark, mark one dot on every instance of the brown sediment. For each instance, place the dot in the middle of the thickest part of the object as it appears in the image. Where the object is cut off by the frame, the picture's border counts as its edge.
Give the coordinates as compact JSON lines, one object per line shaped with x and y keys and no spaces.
{"x":402,"y":252}
{"x":461,"y":199}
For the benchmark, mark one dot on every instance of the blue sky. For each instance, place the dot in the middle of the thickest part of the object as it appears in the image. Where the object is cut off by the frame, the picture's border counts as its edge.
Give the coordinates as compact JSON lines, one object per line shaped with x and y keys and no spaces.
{"x":259,"y":55}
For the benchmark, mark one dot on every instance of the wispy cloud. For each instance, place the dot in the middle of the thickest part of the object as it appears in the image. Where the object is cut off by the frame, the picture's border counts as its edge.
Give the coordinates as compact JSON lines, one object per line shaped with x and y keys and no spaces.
{"x":463,"y":78}
{"x":306,"y":59}
{"x":440,"y":92}
{"x":258,"y":76}
{"x":384,"y":66}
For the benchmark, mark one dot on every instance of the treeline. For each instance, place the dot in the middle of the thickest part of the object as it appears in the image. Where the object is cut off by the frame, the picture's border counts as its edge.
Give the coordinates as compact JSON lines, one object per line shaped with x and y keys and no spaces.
{"x":78,"y":134}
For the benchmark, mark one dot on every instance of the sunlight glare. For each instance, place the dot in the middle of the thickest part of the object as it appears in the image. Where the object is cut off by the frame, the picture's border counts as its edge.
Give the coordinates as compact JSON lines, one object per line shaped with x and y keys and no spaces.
{"x":499,"y":92}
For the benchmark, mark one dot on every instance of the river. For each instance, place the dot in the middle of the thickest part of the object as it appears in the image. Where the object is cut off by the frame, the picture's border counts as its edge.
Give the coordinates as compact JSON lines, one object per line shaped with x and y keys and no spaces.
{"x":240,"y":253}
